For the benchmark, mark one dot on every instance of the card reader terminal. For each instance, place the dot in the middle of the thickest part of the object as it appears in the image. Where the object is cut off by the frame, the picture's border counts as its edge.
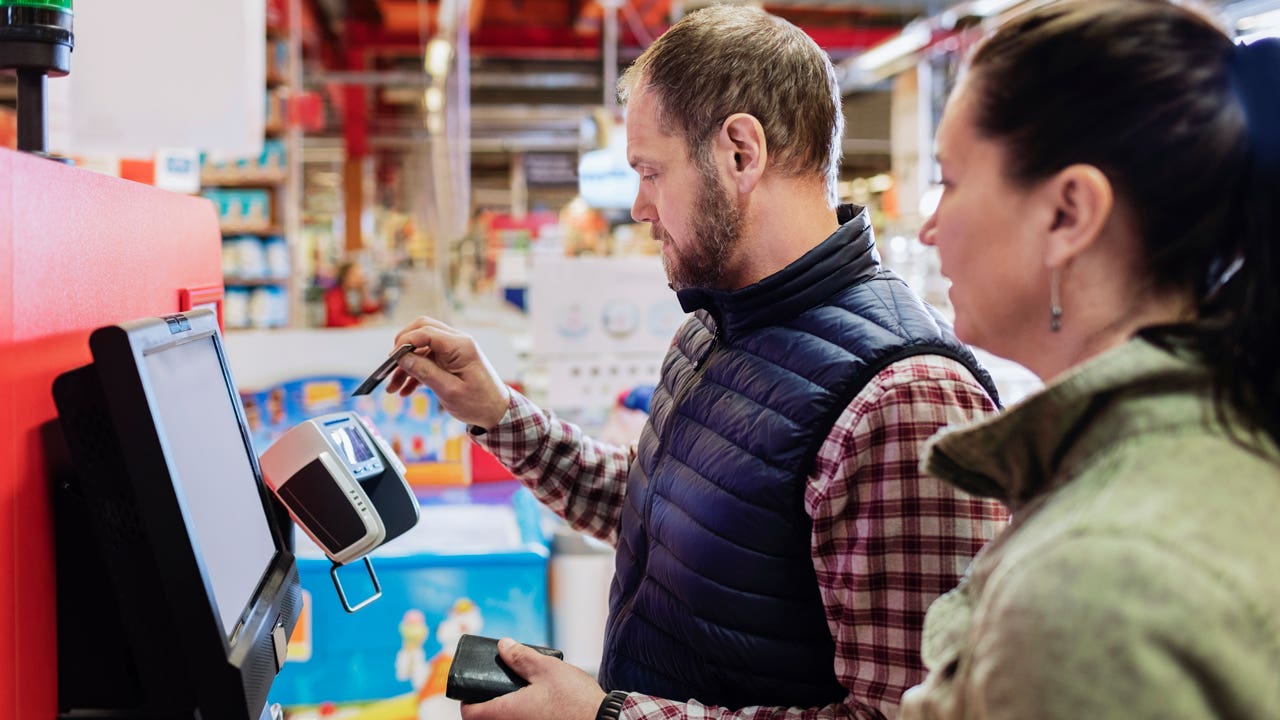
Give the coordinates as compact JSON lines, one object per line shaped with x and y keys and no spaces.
{"x":318,"y":470}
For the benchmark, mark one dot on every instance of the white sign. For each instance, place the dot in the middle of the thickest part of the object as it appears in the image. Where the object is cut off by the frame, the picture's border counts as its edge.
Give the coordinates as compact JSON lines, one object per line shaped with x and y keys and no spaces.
{"x":152,"y":74}
{"x":601,"y":325}
{"x":605,"y":178}
{"x":178,"y":170}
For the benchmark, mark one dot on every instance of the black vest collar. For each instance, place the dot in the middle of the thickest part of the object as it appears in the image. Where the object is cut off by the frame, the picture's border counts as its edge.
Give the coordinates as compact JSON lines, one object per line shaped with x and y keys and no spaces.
{"x":843,"y":259}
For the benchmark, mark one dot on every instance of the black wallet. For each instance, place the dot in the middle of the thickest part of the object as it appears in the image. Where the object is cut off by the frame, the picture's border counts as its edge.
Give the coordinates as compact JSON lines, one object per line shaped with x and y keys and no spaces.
{"x":478,"y":674}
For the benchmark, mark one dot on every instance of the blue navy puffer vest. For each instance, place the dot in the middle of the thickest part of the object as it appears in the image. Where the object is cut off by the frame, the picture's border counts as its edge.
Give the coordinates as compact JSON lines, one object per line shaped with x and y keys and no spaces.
{"x":715,"y":596}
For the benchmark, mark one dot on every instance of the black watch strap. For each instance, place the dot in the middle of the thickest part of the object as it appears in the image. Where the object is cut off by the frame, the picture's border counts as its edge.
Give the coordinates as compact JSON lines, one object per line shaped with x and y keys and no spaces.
{"x":611,"y":706}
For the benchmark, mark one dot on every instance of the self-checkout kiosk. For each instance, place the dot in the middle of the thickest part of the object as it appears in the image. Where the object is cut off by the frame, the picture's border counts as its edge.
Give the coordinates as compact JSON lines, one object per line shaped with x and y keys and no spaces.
{"x":169,"y":536}
{"x":167,"y":541}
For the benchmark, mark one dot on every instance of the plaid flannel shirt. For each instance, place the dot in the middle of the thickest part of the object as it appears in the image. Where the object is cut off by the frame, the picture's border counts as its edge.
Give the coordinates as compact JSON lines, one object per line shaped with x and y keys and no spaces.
{"x":886,"y":539}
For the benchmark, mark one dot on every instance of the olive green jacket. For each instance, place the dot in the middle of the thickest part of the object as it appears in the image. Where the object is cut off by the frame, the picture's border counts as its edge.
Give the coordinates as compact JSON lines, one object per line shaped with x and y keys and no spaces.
{"x":1140,"y":577}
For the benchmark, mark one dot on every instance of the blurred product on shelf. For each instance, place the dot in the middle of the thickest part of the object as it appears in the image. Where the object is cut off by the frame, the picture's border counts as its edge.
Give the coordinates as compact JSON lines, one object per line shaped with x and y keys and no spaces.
{"x":269,"y":167}
{"x":241,"y":209}
{"x":276,"y":110}
{"x":627,"y":417}
{"x":8,"y":128}
{"x":261,"y":306}
{"x":243,"y":257}
{"x":256,"y":274}
{"x":268,"y":307}
{"x":495,"y":254}
{"x":637,"y":398}
{"x":277,"y":255}
{"x":254,"y":257}
{"x":235,"y":307}
{"x":277,"y":60}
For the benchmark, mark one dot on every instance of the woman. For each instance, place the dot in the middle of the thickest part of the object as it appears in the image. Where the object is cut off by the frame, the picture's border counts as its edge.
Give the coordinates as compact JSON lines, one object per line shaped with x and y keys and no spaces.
{"x":1109,"y":220}
{"x":348,"y":302}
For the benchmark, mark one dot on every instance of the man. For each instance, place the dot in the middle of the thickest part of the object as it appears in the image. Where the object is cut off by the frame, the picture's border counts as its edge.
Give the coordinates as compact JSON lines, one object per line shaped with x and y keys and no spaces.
{"x":776,"y":544}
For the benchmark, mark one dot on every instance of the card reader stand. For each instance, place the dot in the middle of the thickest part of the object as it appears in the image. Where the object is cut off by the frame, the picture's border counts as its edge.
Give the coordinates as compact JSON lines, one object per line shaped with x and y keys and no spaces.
{"x":345,"y":488}
{"x":342,"y":594}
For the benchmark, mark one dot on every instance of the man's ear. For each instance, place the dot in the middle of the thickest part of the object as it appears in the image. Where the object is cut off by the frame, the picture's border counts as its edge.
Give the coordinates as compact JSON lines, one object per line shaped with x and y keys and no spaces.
{"x":1080,"y":200}
{"x":742,"y":143}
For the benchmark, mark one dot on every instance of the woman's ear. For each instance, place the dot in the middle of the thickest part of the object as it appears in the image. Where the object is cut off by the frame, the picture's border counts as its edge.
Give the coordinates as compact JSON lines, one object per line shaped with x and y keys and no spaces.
{"x":1080,"y":200}
{"x":742,"y":143}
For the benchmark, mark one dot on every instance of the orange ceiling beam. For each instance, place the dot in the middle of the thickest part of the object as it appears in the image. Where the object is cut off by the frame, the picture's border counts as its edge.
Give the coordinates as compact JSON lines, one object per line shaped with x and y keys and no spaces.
{"x":564,"y":26}
{"x":402,"y":17}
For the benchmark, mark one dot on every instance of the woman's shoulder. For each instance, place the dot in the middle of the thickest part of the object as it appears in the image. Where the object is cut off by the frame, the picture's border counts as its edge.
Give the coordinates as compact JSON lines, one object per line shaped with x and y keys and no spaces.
{"x":1114,"y":614}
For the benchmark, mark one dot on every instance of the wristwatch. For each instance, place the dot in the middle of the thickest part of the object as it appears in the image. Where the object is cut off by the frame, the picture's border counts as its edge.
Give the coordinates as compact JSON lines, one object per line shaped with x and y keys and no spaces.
{"x":611,"y":706}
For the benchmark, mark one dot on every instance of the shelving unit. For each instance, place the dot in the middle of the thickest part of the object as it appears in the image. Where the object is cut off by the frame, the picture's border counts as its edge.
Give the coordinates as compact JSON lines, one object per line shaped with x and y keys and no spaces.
{"x":270,"y":280}
{"x":253,"y":197}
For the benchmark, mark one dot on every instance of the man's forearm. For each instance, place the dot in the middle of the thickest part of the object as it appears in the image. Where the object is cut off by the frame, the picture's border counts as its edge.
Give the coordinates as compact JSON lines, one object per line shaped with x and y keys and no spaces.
{"x":579,"y":478}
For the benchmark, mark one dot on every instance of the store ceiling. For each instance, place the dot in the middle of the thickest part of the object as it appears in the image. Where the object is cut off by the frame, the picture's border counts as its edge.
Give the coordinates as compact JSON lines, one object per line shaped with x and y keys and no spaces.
{"x":536,"y":68}
{"x":536,"y":71}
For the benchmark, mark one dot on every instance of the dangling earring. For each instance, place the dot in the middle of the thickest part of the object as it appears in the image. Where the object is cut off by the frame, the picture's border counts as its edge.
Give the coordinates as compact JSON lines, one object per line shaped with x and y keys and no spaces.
{"x":1055,"y":302}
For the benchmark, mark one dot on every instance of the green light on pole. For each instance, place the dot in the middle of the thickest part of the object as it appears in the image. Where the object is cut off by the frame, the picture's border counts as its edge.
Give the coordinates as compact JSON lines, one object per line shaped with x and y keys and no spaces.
{"x":63,"y":5}
{"x":36,"y":39}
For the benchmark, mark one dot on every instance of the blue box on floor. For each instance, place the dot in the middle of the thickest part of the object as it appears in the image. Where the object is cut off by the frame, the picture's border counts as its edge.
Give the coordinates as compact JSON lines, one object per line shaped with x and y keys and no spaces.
{"x":476,"y":563}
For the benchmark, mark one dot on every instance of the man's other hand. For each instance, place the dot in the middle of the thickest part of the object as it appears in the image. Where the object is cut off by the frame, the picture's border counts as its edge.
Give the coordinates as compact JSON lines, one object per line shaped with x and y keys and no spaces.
{"x":556,"y":690}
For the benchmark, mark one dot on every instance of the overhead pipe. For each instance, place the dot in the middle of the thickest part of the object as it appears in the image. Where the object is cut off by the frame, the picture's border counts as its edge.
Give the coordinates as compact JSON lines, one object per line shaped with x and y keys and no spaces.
{"x":899,"y":52}
{"x":609,"y":52}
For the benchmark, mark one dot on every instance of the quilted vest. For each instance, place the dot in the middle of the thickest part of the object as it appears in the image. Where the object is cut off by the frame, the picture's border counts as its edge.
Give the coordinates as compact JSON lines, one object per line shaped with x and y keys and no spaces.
{"x":714,"y":596}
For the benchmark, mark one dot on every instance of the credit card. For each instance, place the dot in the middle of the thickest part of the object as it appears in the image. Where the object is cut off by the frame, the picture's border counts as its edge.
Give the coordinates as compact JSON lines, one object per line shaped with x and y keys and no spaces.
{"x":383,"y":371}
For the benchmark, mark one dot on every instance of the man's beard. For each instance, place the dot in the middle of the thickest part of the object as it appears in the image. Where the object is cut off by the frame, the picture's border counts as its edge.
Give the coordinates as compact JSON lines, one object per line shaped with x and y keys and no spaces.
{"x":714,"y":234}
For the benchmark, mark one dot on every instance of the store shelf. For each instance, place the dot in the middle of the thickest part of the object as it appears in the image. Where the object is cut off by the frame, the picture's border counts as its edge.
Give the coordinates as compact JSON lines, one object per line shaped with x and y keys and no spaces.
{"x":243,"y":181}
{"x":252,"y":230}
{"x":253,"y":282}
{"x":262,"y":181}
{"x":253,"y":197}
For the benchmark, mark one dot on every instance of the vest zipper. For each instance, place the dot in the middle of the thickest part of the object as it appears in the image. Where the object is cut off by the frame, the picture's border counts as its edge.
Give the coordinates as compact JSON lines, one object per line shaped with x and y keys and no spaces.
{"x":697,"y":364}
{"x":699,"y":367}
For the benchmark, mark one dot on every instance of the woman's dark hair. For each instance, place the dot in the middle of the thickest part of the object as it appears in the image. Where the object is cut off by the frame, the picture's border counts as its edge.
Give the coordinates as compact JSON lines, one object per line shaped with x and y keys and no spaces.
{"x":1186,"y":126}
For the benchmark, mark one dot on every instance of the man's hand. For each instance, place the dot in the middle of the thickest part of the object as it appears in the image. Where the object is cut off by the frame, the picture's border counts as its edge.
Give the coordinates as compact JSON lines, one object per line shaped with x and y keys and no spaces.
{"x":556,"y":690}
{"x":449,"y":363}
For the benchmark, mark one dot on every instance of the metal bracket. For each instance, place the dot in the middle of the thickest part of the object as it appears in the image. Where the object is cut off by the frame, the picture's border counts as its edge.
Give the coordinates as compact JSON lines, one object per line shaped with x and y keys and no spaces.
{"x":342,"y":595}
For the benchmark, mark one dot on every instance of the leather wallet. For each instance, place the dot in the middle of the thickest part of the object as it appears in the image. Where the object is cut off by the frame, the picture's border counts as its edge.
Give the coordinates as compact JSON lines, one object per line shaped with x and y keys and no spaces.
{"x":478,"y":674}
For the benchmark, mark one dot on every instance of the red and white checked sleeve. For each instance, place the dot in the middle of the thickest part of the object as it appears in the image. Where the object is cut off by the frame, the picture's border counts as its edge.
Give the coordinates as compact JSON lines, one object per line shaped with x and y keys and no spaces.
{"x":581,"y":479}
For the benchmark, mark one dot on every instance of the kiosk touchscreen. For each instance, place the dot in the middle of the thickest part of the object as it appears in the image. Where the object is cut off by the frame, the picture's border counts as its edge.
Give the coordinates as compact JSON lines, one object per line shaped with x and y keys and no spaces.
{"x":177,"y":585}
